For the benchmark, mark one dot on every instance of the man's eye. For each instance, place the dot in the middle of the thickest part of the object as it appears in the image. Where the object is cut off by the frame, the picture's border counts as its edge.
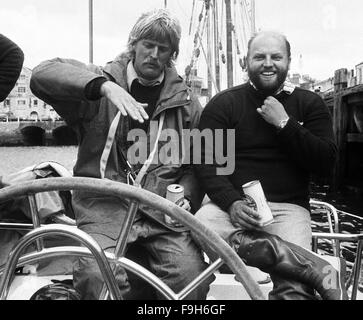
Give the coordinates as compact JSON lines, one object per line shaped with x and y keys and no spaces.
{"x":163,"y":49}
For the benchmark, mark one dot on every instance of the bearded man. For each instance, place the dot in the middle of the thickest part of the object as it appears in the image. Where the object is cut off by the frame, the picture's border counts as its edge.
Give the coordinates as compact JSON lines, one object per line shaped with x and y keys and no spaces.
{"x":282,"y":136}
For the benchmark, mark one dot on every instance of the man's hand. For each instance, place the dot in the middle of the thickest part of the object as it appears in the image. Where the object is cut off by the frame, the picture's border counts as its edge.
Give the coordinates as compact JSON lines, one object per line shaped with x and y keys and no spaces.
{"x":124,"y":101}
{"x":273,"y":111}
{"x":243,"y":216}
{"x":185,"y":204}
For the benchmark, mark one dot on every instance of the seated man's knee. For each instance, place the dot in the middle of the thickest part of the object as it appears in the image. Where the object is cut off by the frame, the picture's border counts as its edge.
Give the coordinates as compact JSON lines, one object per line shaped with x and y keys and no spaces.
{"x":202,"y":214}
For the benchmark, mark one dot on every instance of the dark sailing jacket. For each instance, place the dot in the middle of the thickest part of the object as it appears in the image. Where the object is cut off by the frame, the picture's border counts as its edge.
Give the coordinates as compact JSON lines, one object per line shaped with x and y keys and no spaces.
{"x":62,"y":82}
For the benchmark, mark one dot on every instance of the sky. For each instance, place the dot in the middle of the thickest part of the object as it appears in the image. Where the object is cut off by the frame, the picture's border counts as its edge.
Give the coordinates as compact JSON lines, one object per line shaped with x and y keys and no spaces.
{"x":325,"y":35}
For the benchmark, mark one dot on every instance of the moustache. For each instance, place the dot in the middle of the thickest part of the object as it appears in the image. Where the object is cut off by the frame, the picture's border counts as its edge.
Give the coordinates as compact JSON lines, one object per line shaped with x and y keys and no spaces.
{"x":154,"y":64}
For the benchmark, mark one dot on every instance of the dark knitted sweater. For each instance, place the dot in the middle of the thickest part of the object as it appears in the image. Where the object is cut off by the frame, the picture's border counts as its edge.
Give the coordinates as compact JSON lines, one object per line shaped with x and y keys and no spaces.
{"x":149,"y":95}
{"x":143,"y":94}
{"x":11,"y":62}
{"x":282,"y":160}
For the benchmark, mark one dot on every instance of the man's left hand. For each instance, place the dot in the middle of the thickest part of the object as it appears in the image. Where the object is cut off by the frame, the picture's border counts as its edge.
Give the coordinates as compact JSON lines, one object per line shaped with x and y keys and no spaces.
{"x":185,"y":204}
{"x":272,"y":111}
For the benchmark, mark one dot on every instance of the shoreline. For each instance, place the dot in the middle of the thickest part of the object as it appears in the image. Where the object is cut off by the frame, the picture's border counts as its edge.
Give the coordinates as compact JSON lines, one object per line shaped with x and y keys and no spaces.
{"x":10,"y":134}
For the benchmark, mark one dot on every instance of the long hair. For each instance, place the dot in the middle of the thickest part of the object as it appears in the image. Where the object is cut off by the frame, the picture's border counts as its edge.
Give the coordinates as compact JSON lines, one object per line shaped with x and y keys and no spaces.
{"x":158,"y":25}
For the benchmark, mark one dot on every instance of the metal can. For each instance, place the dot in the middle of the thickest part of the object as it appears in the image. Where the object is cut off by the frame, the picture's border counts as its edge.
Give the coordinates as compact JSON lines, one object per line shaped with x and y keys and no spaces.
{"x":254,"y":194}
{"x":174,"y":193}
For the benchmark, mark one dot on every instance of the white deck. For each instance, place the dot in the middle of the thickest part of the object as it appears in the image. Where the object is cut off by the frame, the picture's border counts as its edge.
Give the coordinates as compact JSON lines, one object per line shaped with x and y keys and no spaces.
{"x":225,"y":287}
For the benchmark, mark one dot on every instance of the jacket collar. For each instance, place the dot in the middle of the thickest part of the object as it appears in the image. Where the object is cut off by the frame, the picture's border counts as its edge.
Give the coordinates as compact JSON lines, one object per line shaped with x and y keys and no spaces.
{"x":174,"y":84}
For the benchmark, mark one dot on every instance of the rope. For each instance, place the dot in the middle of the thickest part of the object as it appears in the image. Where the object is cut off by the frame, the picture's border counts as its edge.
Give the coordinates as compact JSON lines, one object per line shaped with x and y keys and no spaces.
{"x":148,"y":162}
{"x":109,"y":143}
{"x":191,"y":18}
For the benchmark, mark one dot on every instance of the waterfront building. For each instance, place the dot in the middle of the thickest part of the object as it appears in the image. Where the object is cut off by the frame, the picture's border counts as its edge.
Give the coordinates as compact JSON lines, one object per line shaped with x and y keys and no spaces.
{"x":324,"y":86}
{"x":22,"y":104}
{"x":354,"y":77}
{"x":301,"y":80}
{"x":359,"y":71}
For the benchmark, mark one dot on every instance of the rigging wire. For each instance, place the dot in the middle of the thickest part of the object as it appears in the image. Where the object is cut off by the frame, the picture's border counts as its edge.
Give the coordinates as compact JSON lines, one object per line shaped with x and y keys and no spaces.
{"x":191,"y":18}
{"x":214,"y":48}
{"x":223,"y":56}
{"x":247,"y":13}
{"x":196,"y":51}
{"x":215,"y":43}
{"x":234,"y":23}
{"x":209,"y":66}
{"x":198,"y":44}
{"x":244,"y":34}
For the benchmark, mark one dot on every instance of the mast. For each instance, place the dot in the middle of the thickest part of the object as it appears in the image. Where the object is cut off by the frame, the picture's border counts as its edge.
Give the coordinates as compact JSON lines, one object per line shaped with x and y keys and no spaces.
{"x":90,"y":9}
{"x":216,"y":46}
{"x":253,"y":16}
{"x":209,"y":53}
{"x":229,"y":44}
{"x":165,"y":4}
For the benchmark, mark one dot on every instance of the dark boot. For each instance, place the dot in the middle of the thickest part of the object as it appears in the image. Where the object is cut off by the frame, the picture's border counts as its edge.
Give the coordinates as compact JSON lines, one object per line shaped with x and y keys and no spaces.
{"x":288,"y":289}
{"x":286,"y":260}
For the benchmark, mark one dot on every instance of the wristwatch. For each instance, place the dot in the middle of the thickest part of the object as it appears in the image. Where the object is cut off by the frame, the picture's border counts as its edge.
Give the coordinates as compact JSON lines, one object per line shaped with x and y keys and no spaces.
{"x":283,"y":123}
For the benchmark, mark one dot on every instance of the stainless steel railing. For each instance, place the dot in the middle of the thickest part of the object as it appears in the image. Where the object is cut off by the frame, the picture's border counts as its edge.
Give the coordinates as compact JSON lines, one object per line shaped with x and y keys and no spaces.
{"x":226,"y":253}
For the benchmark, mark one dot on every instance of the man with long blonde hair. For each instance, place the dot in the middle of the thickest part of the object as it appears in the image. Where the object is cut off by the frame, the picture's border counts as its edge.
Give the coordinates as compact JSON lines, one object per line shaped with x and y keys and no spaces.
{"x":139,"y":88}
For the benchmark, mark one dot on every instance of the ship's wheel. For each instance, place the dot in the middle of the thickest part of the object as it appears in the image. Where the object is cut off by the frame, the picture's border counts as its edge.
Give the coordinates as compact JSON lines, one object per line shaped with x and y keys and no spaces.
{"x":91,"y":248}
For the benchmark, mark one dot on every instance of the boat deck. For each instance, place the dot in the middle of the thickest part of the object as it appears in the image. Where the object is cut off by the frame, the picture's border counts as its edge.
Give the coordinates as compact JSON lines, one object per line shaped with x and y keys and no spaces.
{"x":224,"y":287}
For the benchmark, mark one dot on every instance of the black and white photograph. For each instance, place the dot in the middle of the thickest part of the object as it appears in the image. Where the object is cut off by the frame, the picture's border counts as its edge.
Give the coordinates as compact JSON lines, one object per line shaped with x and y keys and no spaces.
{"x":205,"y":151}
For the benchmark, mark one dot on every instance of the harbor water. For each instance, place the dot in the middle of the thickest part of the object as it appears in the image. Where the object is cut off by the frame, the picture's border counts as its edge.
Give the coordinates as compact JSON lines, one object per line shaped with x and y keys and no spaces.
{"x":17,"y":158}
{"x":14,"y":159}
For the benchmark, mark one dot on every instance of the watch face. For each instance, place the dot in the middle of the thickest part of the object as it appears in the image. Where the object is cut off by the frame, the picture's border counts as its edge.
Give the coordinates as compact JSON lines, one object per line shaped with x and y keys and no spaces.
{"x":283,"y":123}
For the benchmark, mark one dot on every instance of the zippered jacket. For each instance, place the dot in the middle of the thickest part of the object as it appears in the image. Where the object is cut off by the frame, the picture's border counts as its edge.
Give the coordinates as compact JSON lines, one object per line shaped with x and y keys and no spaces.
{"x":62,"y":84}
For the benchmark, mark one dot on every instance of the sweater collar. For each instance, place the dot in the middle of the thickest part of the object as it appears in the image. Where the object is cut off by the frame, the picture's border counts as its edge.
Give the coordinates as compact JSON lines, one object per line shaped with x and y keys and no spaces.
{"x":287,"y":87}
{"x":174,"y":84}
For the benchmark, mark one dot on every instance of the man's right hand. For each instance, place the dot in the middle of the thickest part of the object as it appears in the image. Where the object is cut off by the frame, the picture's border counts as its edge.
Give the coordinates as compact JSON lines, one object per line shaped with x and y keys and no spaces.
{"x":243,"y":216}
{"x":124,"y":101}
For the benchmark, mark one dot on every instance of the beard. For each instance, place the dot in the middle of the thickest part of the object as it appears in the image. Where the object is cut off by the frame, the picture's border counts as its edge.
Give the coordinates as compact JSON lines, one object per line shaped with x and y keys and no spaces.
{"x":268,"y":89}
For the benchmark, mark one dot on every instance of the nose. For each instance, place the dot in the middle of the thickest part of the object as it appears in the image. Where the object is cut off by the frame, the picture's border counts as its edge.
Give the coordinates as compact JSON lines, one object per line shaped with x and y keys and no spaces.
{"x":267,"y":62}
{"x":154,"y":51}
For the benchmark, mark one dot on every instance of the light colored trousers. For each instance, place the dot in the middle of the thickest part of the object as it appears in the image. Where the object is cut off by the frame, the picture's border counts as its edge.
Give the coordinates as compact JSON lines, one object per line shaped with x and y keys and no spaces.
{"x":291,"y":222}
